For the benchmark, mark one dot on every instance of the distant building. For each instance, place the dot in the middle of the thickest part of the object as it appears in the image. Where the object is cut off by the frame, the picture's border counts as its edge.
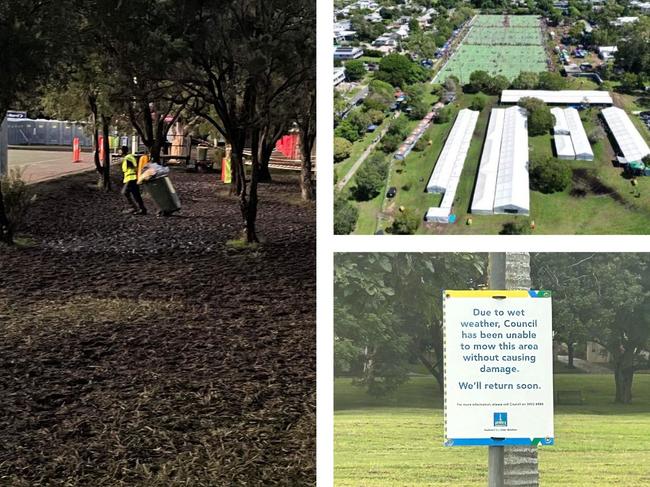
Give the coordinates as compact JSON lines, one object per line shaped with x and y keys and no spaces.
{"x":607,"y":52}
{"x":339,"y":76}
{"x":597,"y":354}
{"x":624,"y":20}
{"x":643,"y":6}
{"x":346,"y":53}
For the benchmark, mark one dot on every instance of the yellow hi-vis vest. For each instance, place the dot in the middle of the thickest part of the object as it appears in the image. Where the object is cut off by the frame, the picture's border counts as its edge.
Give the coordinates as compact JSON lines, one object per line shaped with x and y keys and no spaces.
{"x":130,"y":168}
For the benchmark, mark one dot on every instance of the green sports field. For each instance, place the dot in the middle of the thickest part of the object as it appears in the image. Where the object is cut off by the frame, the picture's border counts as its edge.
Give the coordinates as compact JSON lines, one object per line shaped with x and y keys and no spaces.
{"x":397,"y":440}
{"x":498,"y":44}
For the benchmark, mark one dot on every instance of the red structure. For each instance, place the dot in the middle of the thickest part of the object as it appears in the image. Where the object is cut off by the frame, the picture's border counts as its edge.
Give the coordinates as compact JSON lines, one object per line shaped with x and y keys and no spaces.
{"x":289,"y":146}
{"x":76,"y":150}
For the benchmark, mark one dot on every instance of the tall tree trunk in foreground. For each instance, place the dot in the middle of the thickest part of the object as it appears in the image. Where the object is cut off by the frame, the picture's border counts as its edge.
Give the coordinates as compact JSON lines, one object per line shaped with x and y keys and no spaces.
{"x":307,"y":126}
{"x":511,"y":270}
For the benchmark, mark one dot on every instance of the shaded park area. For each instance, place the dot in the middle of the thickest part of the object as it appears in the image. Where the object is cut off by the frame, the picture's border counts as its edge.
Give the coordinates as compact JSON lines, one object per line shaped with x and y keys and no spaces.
{"x":139,"y":350}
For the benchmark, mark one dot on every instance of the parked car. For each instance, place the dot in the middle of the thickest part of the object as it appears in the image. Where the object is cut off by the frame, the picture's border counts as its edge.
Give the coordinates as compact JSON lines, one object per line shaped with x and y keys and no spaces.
{"x":392,"y":191}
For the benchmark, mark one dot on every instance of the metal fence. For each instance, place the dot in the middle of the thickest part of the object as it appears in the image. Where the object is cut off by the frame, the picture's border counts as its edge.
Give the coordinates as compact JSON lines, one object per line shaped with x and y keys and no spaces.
{"x":47,"y":132}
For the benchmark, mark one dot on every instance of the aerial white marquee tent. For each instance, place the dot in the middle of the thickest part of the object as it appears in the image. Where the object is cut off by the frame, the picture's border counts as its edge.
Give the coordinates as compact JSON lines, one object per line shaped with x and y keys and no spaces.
{"x":454,"y":151}
{"x":502,"y":184}
{"x":449,"y":167}
{"x":512,"y":188}
{"x":630,"y":142}
{"x":563,"y":97}
{"x":581,"y":145}
{"x":569,"y":135}
{"x":483,"y":201}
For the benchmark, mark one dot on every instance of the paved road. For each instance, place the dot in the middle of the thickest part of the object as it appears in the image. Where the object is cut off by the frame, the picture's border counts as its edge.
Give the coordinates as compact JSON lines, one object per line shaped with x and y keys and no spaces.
{"x":41,"y":165}
{"x":341,"y":184}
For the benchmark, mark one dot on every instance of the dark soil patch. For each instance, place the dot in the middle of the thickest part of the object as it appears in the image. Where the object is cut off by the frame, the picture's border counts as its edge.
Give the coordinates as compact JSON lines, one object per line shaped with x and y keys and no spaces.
{"x":584,"y":183}
{"x":144,"y":351}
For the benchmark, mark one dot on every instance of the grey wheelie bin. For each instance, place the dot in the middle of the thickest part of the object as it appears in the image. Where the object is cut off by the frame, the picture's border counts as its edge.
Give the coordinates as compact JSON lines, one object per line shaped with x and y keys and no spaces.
{"x":164,"y":195}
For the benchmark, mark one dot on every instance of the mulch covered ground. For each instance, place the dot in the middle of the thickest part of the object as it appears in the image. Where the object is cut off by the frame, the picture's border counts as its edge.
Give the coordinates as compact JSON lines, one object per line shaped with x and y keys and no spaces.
{"x":146,"y":351}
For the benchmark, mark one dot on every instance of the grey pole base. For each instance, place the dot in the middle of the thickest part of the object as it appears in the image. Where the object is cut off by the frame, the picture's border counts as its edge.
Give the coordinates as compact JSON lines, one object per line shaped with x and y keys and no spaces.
{"x":495,"y":466}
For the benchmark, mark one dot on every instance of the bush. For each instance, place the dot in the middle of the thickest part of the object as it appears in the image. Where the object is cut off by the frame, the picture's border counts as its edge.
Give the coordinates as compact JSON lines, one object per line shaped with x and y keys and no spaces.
{"x":419,"y":110}
{"x":445,"y":114}
{"x":516,"y":228}
{"x":405,"y":223}
{"x":342,"y":148}
{"x":421,"y":144}
{"x":390,"y":143}
{"x":399,"y":127}
{"x":345,"y":216}
{"x":371,"y":178}
{"x":346,"y":130}
{"x":17,"y":198}
{"x":549,"y":175}
{"x":376,"y":116}
{"x":478,"y":103}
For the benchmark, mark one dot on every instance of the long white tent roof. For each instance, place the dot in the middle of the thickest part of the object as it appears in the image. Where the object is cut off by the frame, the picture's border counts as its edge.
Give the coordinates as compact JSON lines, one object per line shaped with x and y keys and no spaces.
{"x":502,"y":183}
{"x":512,"y":193}
{"x":629,"y":140}
{"x":563,"y":97}
{"x":453,"y":152}
{"x":581,"y":145}
{"x":483,"y":201}
{"x":569,"y":135}
{"x":446,"y":175}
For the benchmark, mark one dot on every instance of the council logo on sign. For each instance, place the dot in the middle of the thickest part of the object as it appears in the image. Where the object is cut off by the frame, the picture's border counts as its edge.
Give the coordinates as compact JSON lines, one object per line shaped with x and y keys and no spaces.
{"x":500,"y":419}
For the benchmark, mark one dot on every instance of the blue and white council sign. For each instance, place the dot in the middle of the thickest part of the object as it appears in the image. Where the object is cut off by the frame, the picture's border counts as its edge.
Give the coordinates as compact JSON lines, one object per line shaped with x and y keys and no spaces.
{"x":498,"y":368}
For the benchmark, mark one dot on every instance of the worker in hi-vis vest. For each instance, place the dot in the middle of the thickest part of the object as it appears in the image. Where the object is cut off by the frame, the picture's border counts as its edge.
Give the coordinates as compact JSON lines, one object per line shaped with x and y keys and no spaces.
{"x":131,"y":189}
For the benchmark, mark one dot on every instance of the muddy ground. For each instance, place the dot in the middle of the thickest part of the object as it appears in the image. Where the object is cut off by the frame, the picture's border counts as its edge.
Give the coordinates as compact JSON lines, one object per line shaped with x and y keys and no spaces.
{"x":146,"y":351}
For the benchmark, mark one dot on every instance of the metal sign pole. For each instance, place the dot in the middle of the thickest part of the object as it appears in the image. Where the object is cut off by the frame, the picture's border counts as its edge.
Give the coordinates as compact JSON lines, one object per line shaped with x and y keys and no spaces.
{"x":511,"y":271}
{"x":495,"y":466}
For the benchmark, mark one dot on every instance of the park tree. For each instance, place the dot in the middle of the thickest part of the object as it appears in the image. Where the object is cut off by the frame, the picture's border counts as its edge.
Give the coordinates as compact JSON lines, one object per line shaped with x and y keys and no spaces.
{"x":551,"y":81}
{"x":422,"y":43}
{"x":609,"y":293}
{"x":342,"y":149}
{"x":633,"y":55}
{"x":398,"y":70}
{"x":354,"y":70}
{"x":406,"y":222}
{"x":549,"y":175}
{"x":34,"y":35}
{"x":526,"y":80}
{"x":371,"y":178}
{"x":479,"y":81}
{"x":540,"y":118}
{"x":345,"y":216}
{"x":386,"y":314}
{"x":478,"y":102}
{"x":240,"y":60}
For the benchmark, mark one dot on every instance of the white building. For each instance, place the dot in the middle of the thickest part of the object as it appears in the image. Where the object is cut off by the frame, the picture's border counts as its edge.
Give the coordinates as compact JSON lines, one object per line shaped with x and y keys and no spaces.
{"x":339,"y":76}
{"x":345,"y":53}
{"x":631,"y":143}
{"x":624,"y":21}
{"x":607,"y":52}
{"x":446,"y":174}
{"x":502,"y":185}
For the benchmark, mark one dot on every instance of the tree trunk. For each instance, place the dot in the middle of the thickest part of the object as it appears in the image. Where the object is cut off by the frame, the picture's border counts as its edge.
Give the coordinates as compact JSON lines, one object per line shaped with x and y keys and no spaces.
{"x":106,"y":163}
{"x":623,"y":376}
{"x":434,"y":369}
{"x":306,"y":181}
{"x":6,"y":233}
{"x":265,"y":159}
{"x":570,"y":352}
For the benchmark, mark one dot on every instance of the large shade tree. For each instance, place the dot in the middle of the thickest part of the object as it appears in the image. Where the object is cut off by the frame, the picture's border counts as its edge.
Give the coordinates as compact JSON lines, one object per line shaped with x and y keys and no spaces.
{"x":35,"y":35}
{"x":241,"y":60}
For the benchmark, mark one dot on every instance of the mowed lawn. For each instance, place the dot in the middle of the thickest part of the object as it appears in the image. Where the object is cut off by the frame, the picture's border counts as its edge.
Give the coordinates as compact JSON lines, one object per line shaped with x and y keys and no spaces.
{"x":397,"y":440}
